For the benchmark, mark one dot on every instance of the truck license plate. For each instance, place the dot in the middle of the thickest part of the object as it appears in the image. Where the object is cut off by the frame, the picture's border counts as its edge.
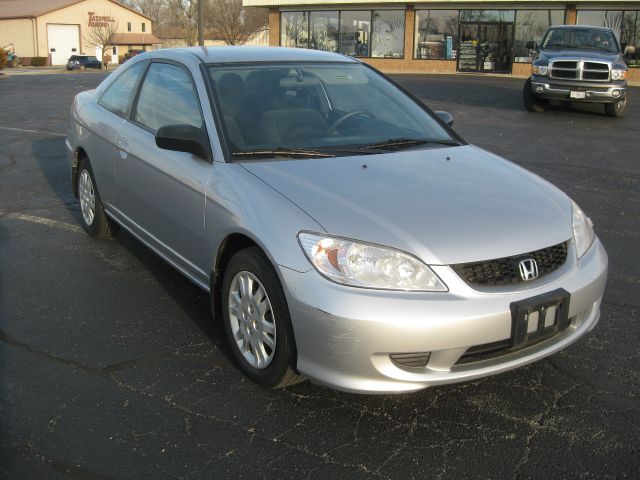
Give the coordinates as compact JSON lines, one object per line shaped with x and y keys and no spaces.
{"x":576,"y":95}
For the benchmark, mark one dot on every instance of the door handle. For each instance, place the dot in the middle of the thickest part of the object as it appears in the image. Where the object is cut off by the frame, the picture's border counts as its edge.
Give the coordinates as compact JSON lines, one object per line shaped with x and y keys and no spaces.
{"x":123,"y":143}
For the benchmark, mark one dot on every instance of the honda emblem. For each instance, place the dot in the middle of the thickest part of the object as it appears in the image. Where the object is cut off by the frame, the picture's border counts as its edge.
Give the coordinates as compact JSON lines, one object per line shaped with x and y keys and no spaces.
{"x":528,"y":269}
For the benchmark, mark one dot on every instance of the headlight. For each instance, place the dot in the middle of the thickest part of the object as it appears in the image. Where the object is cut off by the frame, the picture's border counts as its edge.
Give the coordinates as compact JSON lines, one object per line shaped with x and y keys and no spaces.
{"x":539,"y":69}
{"x":365,"y":265}
{"x":618,"y":74}
{"x":583,"y":234}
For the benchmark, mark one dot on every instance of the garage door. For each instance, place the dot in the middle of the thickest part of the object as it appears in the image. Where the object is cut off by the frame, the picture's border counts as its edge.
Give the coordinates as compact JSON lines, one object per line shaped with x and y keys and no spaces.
{"x":64,"y":41}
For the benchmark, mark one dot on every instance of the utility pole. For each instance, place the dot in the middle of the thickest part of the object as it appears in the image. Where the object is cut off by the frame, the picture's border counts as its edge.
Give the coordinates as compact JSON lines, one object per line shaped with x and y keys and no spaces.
{"x":200,"y":30}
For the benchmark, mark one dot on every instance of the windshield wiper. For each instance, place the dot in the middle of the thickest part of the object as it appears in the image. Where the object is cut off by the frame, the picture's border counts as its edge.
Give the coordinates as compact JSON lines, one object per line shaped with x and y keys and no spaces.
{"x":399,"y":143}
{"x":283,"y":152}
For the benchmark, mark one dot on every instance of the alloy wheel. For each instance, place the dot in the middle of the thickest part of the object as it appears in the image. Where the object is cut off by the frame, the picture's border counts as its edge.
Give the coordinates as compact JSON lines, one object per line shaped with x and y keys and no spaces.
{"x":251,"y":320}
{"x":87,"y":196}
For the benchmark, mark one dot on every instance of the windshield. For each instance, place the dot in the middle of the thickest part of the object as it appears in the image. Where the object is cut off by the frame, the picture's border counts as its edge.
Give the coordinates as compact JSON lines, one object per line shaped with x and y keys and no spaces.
{"x":589,"y":38}
{"x":335,"y":108}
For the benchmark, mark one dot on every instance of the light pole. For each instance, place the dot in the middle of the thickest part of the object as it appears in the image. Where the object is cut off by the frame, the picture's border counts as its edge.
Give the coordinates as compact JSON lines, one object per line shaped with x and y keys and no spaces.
{"x":200,"y":31}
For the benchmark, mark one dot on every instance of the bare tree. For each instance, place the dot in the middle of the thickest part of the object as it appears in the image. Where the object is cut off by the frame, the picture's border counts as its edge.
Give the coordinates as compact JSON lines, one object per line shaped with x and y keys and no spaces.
{"x":229,"y":21}
{"x":100,"y":34}
{"x":154,"y":9}
{"x":184,"y":15}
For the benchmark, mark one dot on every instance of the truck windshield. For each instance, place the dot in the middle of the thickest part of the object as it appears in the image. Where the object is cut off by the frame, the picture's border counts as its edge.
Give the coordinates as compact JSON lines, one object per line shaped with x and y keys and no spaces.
{"x":582,"y":38}
{"x":312,"y":109}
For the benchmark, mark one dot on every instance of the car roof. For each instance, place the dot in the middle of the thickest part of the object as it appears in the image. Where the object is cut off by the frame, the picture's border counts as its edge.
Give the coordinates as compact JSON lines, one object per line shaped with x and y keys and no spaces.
{"x":229,"y":54}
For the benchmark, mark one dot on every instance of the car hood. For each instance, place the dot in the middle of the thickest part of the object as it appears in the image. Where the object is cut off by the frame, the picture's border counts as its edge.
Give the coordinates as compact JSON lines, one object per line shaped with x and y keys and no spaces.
{"x":444,"y":205}
{"x":583,"y":54}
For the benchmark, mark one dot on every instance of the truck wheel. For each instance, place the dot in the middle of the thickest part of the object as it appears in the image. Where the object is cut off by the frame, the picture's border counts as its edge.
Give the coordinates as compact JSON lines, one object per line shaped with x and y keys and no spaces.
{"x":615,"y":109}
{"x":531,"y":103}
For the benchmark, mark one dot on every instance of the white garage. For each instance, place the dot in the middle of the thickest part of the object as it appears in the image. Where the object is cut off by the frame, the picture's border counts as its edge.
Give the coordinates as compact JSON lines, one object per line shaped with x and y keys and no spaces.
{"x":64,"y":41}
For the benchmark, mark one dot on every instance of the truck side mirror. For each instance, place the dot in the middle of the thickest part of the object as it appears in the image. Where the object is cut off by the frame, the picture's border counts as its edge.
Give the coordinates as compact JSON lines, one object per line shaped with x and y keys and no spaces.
{"x":629,"y":50}
{"x":531,"y":45}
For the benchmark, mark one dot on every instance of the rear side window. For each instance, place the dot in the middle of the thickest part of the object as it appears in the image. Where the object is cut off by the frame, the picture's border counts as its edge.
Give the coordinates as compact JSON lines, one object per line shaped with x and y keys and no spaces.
{"x":118,"y":96}
{"x":167,"y":97}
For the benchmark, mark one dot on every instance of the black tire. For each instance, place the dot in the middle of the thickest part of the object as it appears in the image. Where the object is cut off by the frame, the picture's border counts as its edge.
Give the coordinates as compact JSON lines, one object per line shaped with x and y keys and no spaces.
{"x":280,"y":372}
{"x":616,"y":109}
{"x":531,"y":103}
{"x":101,"y":226}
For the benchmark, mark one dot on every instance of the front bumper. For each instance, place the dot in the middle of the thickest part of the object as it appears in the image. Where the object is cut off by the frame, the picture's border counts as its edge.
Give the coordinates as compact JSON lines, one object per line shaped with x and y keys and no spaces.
{"x":345,"y":335}
{"x":552,"y":89}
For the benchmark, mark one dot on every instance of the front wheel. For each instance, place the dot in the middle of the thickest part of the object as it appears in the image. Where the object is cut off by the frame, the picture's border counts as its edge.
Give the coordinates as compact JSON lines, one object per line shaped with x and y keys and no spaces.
{"x":531,"y":103}
{"x":615,"y":109}
{"x":257,"y":322}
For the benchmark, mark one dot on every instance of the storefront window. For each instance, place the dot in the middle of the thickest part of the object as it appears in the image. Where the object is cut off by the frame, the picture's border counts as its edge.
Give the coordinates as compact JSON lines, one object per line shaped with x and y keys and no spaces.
{"x":294,"y":29}
{"x":602,"y":18}
{"x":387,"y":38}
{"x":436,"y":34}
{"x":487,"y":16}
{"x":355,"y":30}
{"x":324,"y":31}
{"x":631,"y":36}
{"x":531,"y":25}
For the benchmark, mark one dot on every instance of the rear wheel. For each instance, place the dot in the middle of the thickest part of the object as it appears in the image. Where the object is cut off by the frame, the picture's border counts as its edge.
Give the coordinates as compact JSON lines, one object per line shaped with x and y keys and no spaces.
{"x":257,"y":322}
{"x":616,"y":109}
{"x":531,"y":103}
{"x":94,"y":220}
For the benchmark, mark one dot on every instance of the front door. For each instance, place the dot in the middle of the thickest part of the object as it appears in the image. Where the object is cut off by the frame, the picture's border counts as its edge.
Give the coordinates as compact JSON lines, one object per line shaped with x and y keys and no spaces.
{"x":485,"y":47}
{"x":162,"y":192}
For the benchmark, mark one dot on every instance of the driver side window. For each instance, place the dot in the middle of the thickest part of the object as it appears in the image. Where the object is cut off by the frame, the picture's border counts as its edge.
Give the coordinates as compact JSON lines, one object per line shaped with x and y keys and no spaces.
{"x":168,"y":97}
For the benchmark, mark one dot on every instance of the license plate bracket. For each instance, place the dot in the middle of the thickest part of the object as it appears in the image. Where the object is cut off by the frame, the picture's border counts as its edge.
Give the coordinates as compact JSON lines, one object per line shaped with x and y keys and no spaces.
{"x":524,"y":314}
{"x":577,"y":94}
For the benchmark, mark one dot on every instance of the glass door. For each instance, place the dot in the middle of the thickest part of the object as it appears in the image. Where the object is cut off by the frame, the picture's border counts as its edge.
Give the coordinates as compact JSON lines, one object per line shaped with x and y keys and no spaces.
{"x":485,"y":47}
{"x":495,"y":47}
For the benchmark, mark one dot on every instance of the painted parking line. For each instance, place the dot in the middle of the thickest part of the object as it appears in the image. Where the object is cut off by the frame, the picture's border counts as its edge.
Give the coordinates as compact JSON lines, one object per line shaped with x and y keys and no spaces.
{"x":25,"y":130}
{"x":45,"y":221}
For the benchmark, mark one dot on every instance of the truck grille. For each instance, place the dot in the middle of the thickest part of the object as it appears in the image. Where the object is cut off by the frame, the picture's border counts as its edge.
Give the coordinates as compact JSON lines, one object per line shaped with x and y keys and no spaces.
{"x":504,"y":271}
{"x":579,"y":70}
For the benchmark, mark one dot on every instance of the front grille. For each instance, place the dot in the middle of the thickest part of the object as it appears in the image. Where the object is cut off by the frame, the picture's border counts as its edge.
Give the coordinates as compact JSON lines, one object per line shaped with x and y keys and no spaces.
{"x":595,"y":71}
{"x":504,"y":271}
{"x":578,"y":70}
{"x":565,"y":70}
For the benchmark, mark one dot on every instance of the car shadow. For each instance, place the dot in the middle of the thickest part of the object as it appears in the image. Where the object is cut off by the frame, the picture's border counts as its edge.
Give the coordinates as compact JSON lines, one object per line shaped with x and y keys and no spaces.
{"x":50,"y":157}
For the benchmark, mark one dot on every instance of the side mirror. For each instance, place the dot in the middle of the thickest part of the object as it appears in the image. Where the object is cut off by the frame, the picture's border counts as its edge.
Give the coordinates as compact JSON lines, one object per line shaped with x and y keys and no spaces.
{"x":184,"y":138}
{"x":446,"y":117}
{"x":629,"y":50}
{"x":531,"y":45}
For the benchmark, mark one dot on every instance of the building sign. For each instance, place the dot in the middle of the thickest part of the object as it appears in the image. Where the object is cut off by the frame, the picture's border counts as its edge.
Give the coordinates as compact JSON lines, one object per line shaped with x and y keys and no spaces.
{"x":96,"y":21}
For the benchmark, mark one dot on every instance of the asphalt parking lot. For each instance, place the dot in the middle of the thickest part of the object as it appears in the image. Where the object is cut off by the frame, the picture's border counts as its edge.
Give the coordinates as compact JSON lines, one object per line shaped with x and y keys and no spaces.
{"x":110,"y":366}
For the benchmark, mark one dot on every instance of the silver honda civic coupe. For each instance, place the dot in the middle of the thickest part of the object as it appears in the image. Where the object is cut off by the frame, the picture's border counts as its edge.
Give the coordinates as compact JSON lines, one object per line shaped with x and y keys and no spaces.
{"x":344,"y":231}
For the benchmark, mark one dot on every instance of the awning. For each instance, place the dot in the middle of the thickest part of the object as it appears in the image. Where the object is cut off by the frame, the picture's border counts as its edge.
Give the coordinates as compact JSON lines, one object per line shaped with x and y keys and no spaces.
{"x":135,"y":39}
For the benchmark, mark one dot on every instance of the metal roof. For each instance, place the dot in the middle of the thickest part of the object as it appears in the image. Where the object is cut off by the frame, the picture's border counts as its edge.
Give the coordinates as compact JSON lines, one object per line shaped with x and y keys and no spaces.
{"x":36,"y":8}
